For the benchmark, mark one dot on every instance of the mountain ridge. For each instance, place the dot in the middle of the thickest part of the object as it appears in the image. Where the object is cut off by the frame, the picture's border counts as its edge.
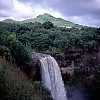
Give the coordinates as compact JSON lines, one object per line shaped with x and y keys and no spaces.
{"x":46,"y":17}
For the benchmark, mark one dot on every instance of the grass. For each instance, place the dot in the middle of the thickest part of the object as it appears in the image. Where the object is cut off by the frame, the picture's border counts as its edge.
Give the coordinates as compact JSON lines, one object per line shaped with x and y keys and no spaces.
{"x":15,"y":85}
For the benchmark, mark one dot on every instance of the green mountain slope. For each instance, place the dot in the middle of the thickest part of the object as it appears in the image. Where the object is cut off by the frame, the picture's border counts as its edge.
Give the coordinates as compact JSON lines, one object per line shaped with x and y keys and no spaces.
{"x":46,"y":17}
{"x":9,"y":21}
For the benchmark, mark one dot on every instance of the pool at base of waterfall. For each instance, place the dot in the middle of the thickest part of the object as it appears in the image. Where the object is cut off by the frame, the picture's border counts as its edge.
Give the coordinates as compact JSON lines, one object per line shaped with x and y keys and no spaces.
{"x":78,"y":93}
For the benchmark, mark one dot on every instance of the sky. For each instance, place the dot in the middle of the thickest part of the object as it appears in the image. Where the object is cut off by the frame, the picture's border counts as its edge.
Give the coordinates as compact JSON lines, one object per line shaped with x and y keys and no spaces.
{"x":84,"y":12}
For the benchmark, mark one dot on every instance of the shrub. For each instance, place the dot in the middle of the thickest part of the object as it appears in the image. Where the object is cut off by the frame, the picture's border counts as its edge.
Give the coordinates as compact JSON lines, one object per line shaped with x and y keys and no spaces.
{"x":14,"y":87}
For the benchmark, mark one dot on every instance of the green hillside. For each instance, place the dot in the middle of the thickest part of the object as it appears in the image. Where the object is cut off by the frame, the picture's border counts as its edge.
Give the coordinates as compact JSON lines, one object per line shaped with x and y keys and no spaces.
{"x":46,"y":17}
{"x":9,"y":21}
{"x":15,"y":85}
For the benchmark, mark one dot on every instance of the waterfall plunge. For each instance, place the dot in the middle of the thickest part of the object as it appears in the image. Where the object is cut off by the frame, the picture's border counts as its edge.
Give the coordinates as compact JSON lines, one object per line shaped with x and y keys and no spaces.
{"x":51,"y":77}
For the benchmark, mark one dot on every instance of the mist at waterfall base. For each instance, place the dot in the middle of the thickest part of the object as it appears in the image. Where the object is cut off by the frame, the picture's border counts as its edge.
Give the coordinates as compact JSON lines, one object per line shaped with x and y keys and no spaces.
{"x":52,"y":79}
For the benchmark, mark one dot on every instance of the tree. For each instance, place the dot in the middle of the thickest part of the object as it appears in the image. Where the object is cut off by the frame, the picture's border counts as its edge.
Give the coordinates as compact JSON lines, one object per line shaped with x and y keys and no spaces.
{"x":48,"y":25}
{"x":5,"y":52}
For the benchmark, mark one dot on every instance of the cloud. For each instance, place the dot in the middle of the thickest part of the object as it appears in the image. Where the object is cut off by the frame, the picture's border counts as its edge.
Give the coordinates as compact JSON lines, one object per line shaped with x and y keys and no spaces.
{"x":6,"y":4}
{"x":84,"y":12}
{"x":20,"y":10}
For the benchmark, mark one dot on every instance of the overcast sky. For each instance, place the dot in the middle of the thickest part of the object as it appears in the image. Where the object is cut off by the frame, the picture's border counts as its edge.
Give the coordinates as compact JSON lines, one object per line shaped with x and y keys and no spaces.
{"x":85,"y":12}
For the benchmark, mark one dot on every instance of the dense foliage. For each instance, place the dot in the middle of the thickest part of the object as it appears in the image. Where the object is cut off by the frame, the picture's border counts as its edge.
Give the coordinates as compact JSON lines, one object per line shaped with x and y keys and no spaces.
{"x":46,"y":36}
{"x":14,"y":85}
{"x":16,"y":40}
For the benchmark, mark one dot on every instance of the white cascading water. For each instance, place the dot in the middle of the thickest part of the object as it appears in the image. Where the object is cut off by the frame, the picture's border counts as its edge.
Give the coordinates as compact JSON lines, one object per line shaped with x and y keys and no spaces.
{"x":52,"y":79}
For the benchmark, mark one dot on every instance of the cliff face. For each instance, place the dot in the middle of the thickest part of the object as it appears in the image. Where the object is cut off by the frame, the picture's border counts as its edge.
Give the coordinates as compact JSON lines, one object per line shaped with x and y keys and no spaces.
{"x":84,"y":61}
{"x":81,"y":58}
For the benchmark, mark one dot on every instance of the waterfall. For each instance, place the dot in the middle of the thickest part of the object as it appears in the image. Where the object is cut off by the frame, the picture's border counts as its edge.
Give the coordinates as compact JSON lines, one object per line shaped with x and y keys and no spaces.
{"x":52,"y":79}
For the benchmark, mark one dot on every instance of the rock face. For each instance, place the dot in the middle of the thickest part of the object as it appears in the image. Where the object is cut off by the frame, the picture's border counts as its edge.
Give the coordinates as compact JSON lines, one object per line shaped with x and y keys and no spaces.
{"x":67,"y":70}
{"x":81,"y":58}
